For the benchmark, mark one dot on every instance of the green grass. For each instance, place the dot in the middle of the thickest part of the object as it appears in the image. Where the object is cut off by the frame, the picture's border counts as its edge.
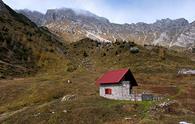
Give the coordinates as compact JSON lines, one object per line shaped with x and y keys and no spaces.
{"x":50,"y":84}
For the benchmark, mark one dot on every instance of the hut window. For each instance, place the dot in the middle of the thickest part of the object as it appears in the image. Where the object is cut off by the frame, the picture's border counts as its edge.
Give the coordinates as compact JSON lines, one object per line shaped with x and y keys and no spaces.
{"x":108,"y":91}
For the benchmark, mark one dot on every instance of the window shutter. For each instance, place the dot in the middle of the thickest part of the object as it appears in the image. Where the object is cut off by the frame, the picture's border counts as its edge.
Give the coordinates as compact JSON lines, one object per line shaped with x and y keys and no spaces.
{"x":108,"y":91}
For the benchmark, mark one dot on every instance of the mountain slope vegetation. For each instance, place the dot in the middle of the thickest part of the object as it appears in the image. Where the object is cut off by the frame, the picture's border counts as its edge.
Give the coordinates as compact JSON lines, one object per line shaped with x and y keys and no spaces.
{"x":40,"y":101}
{"x":23,"y":44}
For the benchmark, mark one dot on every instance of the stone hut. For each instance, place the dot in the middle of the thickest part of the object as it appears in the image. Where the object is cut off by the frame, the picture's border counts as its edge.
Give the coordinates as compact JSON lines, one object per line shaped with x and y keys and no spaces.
{"x":117,"y":84}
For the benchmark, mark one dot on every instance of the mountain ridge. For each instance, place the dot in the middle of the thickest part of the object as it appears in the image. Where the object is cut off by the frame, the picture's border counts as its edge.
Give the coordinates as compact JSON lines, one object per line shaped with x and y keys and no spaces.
{"x":73,"y":27}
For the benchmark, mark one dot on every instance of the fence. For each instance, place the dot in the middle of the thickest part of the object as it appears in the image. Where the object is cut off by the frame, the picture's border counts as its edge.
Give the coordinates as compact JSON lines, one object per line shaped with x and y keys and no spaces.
{"x":145,"y":97}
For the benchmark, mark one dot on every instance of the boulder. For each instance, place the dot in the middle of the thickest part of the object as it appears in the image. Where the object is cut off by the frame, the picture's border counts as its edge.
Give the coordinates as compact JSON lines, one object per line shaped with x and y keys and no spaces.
{"x":68,"y":98}
{"x":134,"y":50}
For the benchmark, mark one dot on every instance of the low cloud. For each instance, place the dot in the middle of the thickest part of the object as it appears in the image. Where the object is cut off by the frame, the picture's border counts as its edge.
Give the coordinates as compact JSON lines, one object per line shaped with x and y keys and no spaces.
{"x":126,"y":11}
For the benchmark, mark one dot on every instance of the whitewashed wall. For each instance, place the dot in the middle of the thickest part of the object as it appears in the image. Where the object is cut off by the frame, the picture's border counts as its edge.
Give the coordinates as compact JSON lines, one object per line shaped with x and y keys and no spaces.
{"x":119,"y":91}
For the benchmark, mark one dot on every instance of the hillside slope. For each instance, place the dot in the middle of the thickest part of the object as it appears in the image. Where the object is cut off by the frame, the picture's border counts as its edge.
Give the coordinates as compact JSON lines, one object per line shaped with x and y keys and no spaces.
{"x":40,"y":100}
{"x":23,"y":45}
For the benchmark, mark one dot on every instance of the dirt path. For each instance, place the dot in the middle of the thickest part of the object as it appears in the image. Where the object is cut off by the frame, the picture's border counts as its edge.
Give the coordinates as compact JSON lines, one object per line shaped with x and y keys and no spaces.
{"x":7,"y":115}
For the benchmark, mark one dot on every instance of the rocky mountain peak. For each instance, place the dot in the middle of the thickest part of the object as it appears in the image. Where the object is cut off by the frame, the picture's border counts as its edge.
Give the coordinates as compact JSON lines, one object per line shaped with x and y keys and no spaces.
{"x":56,"y":15}
{"x":34,"y":16}
{"x":53,"y":15}
{"x":193,"y":23}
{"x":182,"y":21}
{"x":168,"y":22}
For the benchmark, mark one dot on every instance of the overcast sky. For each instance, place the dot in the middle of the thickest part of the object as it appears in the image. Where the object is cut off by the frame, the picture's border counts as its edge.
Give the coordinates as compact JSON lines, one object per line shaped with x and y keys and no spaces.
{"x":118,"y":11}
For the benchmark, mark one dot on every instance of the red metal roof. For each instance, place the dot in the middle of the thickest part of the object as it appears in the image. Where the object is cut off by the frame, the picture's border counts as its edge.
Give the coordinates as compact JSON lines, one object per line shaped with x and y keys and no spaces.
{"x":112,"y":76}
